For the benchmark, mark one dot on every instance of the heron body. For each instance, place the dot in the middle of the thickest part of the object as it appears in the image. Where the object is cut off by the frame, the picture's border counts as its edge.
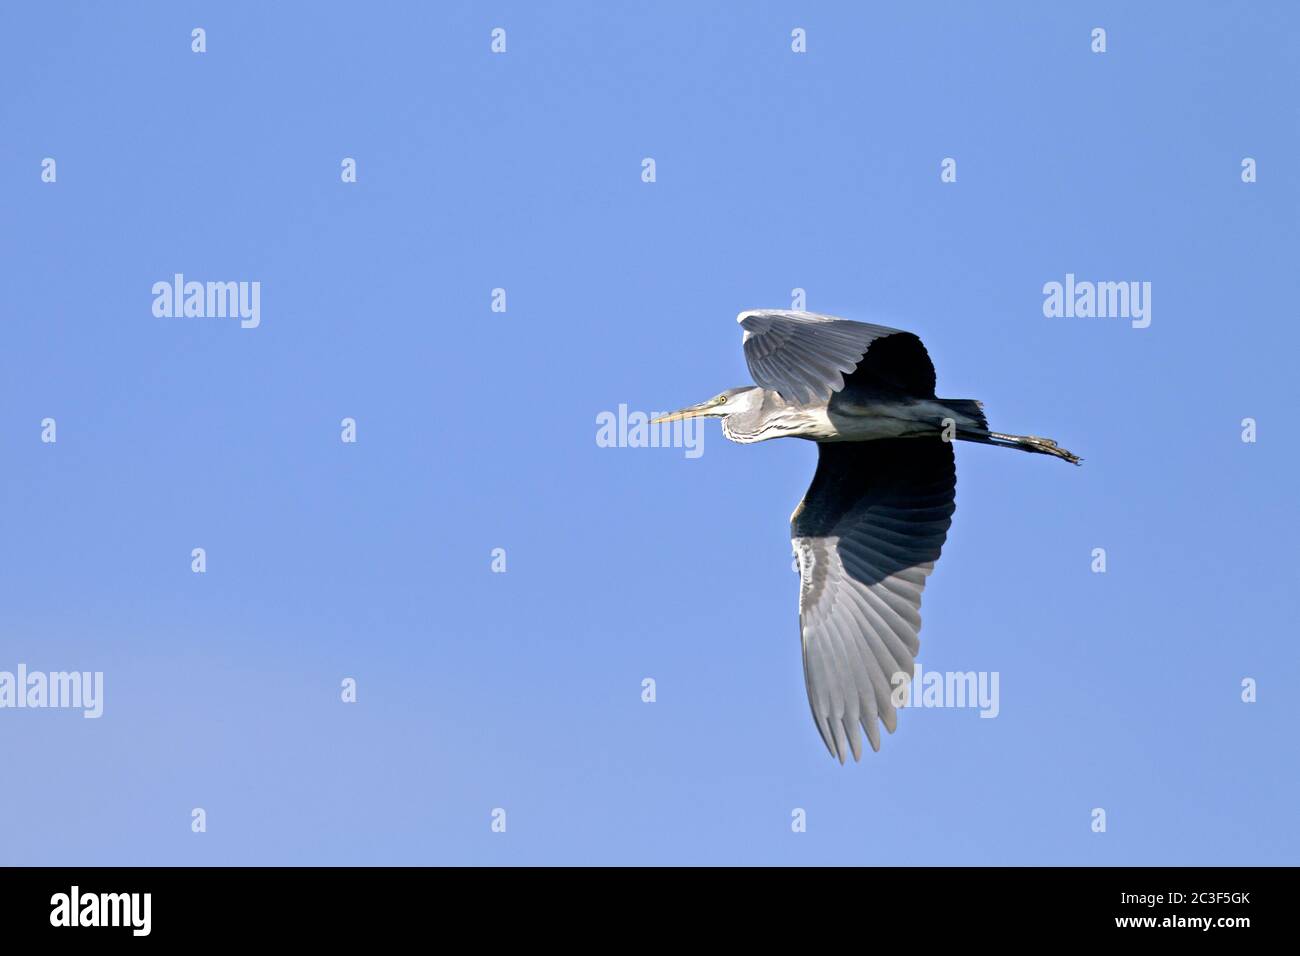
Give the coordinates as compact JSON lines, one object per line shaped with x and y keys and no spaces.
{"x":773,"y":417}
{"x":875,"y":518}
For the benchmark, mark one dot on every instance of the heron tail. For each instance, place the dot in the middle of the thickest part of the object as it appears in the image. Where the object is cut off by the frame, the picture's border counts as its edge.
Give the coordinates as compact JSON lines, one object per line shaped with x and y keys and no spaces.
{"x":968,"y":412}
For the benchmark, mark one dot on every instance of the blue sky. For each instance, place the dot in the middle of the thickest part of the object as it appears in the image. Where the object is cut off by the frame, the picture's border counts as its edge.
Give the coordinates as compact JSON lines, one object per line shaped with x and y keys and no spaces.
{"x":476,"y":429}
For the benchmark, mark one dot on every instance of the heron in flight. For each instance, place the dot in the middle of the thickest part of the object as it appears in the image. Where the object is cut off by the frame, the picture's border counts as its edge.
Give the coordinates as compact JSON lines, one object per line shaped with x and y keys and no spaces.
{"x":872,"y":524}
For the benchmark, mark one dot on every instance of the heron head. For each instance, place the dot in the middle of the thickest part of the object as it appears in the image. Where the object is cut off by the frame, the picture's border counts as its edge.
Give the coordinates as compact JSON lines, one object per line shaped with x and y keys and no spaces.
{"x":730,"y":402}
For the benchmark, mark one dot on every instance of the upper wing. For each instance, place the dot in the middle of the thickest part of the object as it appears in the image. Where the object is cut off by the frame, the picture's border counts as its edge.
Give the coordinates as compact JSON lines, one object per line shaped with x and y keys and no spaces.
{"x":867,"y":535}
{"x":804,"y":356}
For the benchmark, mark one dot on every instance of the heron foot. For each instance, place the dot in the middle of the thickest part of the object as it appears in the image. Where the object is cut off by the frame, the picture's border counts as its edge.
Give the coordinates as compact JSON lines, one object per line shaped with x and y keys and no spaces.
{"x":1049,"y":447}
{"x":1044,"y":446}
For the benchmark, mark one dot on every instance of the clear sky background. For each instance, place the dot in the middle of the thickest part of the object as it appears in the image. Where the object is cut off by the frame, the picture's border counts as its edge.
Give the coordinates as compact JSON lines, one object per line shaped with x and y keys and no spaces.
{"x":476,"y":430}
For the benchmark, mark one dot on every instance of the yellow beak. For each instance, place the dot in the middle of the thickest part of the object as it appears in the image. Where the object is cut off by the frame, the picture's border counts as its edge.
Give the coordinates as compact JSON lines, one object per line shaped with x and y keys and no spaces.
{"x":693,"y":412}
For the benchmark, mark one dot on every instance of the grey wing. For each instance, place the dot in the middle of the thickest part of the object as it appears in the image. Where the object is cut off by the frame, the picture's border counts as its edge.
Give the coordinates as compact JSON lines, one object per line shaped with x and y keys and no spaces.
{"x":802,"y":355}
{"x":867,"y":535}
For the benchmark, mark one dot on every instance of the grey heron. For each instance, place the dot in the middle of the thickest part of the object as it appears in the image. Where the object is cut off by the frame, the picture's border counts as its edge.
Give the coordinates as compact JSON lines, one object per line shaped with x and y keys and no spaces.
{"x":874,"y":519}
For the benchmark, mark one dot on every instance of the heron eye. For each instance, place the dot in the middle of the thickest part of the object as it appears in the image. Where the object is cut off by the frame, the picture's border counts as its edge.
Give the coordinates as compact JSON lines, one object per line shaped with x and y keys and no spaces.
{"x":722,"y":399}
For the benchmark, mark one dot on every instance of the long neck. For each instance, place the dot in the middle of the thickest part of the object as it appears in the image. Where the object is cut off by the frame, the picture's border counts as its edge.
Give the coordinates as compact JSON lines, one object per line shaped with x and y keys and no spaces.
{"x":773,"y":417}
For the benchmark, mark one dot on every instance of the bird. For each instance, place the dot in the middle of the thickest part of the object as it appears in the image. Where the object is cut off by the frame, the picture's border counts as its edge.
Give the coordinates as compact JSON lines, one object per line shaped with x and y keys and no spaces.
{"x":871,"y":526}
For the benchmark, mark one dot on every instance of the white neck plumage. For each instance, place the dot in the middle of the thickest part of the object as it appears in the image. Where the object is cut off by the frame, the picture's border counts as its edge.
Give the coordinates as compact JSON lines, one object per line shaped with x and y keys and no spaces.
{"x":774,"y":418}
